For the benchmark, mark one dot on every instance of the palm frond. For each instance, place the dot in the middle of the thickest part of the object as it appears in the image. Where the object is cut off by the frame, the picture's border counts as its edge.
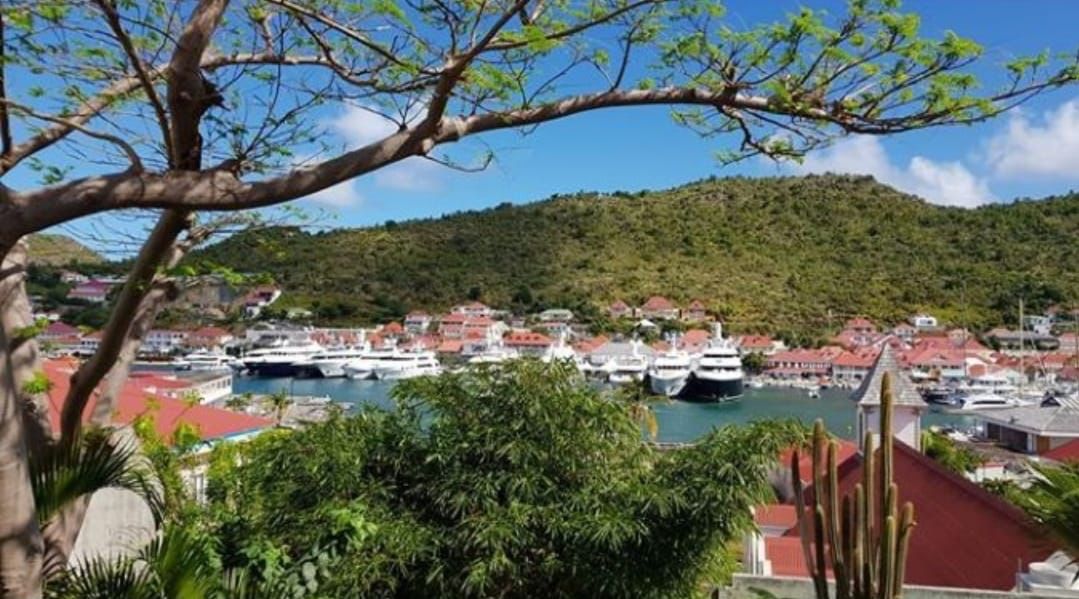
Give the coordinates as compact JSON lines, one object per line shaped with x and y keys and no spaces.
{"x":103,"y":578}
{"x":64,"y":472}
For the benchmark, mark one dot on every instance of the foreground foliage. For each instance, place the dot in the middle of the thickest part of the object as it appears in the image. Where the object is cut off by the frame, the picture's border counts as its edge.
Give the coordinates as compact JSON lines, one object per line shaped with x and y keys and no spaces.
{"x":1052,"y":499}
{"x":519,"y":481}
{"x":771,"y":255}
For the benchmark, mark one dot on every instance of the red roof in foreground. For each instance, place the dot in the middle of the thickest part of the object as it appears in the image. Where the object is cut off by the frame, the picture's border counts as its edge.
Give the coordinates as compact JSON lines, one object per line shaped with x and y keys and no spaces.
{"x":212,"y":423}
{"x":965,"y":537}
{"x":1068,"y":452}
{"x":779,"y":516}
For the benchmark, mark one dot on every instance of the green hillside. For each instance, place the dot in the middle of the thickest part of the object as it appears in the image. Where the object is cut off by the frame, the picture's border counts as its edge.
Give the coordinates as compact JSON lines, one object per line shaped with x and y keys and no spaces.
{"x":767,"y":254}
{"x":59,"y":250}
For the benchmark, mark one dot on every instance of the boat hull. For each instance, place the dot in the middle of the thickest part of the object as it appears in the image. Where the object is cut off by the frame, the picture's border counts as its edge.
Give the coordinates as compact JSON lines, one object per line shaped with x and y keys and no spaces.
{"x":670,"y":386}
{"x":711,"y":390}
{"x":272,"y":369}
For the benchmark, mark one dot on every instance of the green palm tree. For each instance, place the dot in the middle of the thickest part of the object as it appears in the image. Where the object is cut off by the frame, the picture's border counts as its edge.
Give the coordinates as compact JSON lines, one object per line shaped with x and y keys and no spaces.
{"x":279,"y":402}
{"x":1052,"y":500}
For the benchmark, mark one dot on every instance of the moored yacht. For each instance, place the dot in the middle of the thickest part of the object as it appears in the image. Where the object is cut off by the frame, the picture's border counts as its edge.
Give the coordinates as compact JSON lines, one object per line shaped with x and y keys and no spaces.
{"x":670,"y":371}
{"x":407,"y":365}
{"x":496,"y":354}
{"x":363,"y":367}
{"x":330,"y":363}
{"x":203,"y":360}
{"x":280,"y":360}
{"x":718,"y":375}
{"x":628,"y":368}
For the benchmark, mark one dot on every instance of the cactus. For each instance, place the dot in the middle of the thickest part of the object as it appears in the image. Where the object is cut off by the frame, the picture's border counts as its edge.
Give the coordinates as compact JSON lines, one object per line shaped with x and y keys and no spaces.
{"x":862,"y":535}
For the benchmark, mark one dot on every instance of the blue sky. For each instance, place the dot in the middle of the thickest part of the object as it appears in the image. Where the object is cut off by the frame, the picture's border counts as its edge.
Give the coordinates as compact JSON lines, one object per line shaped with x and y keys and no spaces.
{"x":1033,"y":152}
{"x":1022,"y":155}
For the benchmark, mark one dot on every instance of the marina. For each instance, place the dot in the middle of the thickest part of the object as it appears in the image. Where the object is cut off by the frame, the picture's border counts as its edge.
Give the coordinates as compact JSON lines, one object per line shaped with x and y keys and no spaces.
{"x":679,"y":421}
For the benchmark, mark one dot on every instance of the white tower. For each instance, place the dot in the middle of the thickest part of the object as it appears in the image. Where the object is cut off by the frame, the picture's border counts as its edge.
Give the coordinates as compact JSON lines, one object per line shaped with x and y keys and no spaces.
{"x":908,"y":403}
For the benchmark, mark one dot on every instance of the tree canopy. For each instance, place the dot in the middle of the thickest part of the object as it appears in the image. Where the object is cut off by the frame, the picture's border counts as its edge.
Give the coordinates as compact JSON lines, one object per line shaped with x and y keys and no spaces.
{"x":516,"y":481}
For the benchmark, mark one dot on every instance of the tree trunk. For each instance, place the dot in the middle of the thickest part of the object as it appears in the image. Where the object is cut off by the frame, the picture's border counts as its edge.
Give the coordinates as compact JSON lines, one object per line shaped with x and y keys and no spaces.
{"x":21,"y":545}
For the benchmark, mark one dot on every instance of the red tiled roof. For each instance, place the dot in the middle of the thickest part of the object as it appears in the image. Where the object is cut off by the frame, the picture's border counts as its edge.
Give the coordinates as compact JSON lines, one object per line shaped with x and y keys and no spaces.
{"x":478,"y":321}
{"x":449,"y":346}
{"x":695,"y":337}
{"x":619,"y":305}
{"x":60,"y":329}
{"x":527,"y":339}
{"x":697,"y":305}
{"x":965,"y":537}
{"x":756,"y":341}
{"x":393,"y":328}
{"x":453,"y":318}
{"x":777,"y":515}
{"x":856,"y":360}
{"x":858,"y":323}
{"x":1068,"y":452}
{"x":658,"y":302}
{"x":786,"y":555}
{"x":588,"y":345}
{"x":211,"y":422}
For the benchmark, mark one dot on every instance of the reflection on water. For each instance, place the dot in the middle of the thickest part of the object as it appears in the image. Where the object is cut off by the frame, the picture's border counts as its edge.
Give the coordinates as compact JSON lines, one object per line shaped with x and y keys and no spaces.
{"x":678,"y":420}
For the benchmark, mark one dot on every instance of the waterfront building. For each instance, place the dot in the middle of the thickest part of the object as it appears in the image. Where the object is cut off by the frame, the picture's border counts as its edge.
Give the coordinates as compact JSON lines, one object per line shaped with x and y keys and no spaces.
{"x":208,"y":338}
{"x":801,"y":363}
{"x":758,"y":344}
{"x":853,"y":367}
{"x":1035,"y":429}
{"x":163,"y":341}
{"x":417,"y":322}
{"x":528,"y":343}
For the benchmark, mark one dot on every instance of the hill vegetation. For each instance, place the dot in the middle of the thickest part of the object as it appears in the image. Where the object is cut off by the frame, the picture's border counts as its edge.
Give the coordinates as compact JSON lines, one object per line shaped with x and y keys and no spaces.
{"x":794,"y":254}
{"x":48,"y":249}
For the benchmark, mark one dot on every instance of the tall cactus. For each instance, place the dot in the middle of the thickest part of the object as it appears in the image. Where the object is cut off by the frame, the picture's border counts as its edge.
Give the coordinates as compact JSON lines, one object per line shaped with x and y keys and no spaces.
{"x":862,"y":535}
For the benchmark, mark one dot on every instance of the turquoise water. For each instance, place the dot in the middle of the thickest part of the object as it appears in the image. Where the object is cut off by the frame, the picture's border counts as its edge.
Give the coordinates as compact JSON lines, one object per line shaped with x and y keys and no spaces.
{"x":678,"y":420}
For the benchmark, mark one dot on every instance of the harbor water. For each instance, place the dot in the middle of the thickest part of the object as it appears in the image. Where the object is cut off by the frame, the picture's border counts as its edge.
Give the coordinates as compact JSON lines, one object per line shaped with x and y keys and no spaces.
{"x":679,"y":421}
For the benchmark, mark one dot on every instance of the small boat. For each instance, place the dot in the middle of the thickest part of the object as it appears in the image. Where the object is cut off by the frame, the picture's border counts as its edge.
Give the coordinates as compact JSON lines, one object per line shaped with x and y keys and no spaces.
{"x":204,"y":360}
{"x":814,"y":392}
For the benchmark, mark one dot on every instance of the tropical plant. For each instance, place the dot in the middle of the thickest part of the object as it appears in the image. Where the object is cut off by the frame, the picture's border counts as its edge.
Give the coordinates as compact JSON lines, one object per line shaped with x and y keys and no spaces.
{"x":1052,"y":500}
{"x":948,"y":453}
{"x":862,"y":536}
{"x":226,"y":90}
{"x":520,"y":481}
{"x":240,"y":401}
{"x":279,"y":403}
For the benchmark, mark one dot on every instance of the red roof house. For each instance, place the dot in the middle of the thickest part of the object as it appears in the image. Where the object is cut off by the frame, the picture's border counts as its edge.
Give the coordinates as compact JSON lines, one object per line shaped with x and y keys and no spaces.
{"x":137,"y":400}
{"x":1068,"y":452}
{"x":659,"y":308}
{"x":965,"y":536}
{"x":619,"y":309}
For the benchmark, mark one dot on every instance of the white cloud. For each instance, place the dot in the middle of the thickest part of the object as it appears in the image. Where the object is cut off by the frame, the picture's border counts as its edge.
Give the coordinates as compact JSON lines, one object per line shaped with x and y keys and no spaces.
{"x":342,"y":195}
{"x":944,"y":183}
{"x":359,"y":126}
{"x":1046,"y":147}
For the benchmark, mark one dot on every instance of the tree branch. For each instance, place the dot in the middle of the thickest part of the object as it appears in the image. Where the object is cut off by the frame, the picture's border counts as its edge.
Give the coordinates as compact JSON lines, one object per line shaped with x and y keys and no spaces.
{"x":5,"y":120}
{"x":129,"y":151}
{"x":141,"y":73}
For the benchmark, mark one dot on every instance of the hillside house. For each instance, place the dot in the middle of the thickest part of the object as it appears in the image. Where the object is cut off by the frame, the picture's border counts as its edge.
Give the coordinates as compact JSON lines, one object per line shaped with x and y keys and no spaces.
{"x":620,"y":309}
{"x":658,"y":308}
{"x":92,"y":290}
{"x":696,"y":311}
{"x":417,"y":322}
{"x":473,"y":309}
{"x":860,"y":325}
{"x":528,"y":343}
{"x":924,"y":322}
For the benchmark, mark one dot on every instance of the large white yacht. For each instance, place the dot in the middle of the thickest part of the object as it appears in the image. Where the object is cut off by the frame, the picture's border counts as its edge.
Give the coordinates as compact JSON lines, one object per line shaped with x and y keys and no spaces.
{"x":628,"y":368}
{"x":496,"y":354}
{"x":204,"y":360}
{"x":718,"y":375}
{"x":407,"y":365}
{"x":280,"y":360}
{"x":670,"y":372}
{"x":363,"y":366}
{"x":331,"y":363}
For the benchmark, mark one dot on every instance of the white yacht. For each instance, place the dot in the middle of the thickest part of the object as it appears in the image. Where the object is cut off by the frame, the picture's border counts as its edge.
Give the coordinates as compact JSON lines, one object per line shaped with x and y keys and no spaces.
{"x":984,"y":401}
{"x":203,"y":360}
{"x":718,"y":375}
{"x":280,"y":360}
{"x":331,"y":363}
{"x":407,"y":365}
{"x":494,"y":355}
{"x":670,"y":371}
{"x":628,"y":369}
{"x":363,"y":367}
{"x":560,"y":351}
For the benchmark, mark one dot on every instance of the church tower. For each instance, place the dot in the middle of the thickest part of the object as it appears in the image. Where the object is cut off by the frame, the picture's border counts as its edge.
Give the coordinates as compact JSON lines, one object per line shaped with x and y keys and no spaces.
{"x":908,"y":403}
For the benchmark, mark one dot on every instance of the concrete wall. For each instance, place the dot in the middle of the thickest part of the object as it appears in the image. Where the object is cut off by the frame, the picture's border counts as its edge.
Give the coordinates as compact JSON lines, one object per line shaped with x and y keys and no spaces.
{"x":747,"y":586}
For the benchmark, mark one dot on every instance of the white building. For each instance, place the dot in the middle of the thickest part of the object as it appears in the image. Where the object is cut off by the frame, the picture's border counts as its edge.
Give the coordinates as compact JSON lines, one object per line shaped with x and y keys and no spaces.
{"x":908,"y":403}
{"x":924,"y":321}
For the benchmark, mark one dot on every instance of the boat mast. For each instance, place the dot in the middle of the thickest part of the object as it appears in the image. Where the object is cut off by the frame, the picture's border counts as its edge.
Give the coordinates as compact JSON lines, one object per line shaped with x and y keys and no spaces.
{"x":1022,"y":371}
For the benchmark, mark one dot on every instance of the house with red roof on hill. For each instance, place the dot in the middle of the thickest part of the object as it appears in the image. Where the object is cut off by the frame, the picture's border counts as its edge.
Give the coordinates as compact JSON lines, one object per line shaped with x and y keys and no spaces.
{"x":658,"y":308}
{"x":928,"y":363}
{"x":758,"y":344}
{"x":965,"y":538}
{"x":620,"y":309}
{"x":417,"y":322}
{"x":860,"y":324}
{"x":905,"y":331}
{"x":473,"y":309}
{"x":696,"y":311}
{"x":92,"y":290}
{"x":798,"y":363}
{"x":528,"y":343}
